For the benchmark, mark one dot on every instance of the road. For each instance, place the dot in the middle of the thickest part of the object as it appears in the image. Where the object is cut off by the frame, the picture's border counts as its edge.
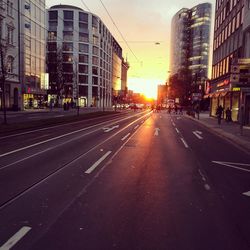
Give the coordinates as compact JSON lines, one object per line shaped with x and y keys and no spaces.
{"x":141,"y":180}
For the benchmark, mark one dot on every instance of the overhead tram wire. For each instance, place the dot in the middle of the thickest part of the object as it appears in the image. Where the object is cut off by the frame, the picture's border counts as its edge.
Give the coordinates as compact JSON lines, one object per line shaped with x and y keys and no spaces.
{"x":119,"y":31}
{"x":85,"y":5}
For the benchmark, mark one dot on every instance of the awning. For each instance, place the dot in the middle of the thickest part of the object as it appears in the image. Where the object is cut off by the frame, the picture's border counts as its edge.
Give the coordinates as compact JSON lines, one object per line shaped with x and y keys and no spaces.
{"x":224,"y":93}
{"x":214,"y":95}
{"x":207,"y":96}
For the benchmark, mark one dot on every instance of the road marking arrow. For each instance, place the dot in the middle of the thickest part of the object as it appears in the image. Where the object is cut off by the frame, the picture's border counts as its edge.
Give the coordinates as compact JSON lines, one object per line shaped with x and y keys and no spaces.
{"x":198,"y":134}
{"x":247,"y":193}
{"x":233,"y":165}
{"x":110,"y":129}
{"x":157,"y":131}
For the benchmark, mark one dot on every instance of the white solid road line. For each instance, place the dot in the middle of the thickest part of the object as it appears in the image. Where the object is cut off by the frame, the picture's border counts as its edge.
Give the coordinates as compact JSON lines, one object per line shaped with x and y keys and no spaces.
{"x":15,"y":238}
{"x":184,"y":142}
{"x":26,"y":158}
{"x":231,"y":165}
{"x":177,"y":130}
{"x":125,"y":137}
{"x":136,"y":126}
{"x":95,"y":165}
{"x":61,"y":125}
{"x":247,"y":193}
{"x":197,"y":134}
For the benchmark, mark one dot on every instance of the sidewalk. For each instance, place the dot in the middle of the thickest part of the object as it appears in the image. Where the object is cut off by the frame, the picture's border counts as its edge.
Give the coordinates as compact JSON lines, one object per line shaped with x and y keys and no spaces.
{"x":228,"y":130}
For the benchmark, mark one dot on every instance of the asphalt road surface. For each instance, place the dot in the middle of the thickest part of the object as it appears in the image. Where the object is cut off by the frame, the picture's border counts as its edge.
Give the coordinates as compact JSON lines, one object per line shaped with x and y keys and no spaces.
{"x":136,"y":181}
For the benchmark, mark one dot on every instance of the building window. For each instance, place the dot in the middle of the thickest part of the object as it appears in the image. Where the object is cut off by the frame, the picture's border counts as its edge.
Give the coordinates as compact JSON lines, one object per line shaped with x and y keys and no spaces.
{"x":68,"y":58}
{"x":67,"y":67}
{"x":95,"y":80}
{"x":83,"y":27}
{"x":233,"y":25}
{"x":242,"y":13}
{"x":10,"y":35}
{"x":68,"y":25}
{"x":83,"y":69}
{"x":83,"y":79}
{"x":68,"y":35}
{"x":52,"y":47}
{"x":52,"y":25}
{"x":95,"y":50}
{"x":9,"y":8}
{"x":95,"y":70}
{"x":83,"y":17}
{"x":52,"y":35}
{"x":10,"y":63}
{"x":83,"y":48}
{"x":95,"y":60}
{"x":69,"y":15}
{"x":83,"y":58}
{"x":67,"y":46}
{"x":53,"y":15}
{"x":83,"y":37}
{"x":95,"y":40}
{"x":94,"y":22}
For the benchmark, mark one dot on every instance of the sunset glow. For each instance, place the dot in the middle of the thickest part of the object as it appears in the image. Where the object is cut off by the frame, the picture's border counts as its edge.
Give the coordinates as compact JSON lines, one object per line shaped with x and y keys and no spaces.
{"x":147,"y":87}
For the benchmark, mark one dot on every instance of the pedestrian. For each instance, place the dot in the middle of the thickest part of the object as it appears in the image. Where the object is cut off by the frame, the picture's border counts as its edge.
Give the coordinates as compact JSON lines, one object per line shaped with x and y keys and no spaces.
{"x":228,"y":115}
{"x":176,"y":109}
{"x":169,"y":109}
{"x":180,"y":110}
{"x":219,"y":112}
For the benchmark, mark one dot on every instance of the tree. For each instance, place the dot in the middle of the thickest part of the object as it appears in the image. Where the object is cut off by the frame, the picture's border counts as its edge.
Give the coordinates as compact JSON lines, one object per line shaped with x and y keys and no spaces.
{"x":55,"y":70}
{"x":4,"y":72}
{"x":180,"y":86}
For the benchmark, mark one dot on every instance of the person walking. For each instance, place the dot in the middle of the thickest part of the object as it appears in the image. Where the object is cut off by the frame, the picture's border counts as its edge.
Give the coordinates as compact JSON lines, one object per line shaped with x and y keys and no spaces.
{"x":219,"y":112}
{"x":228,"y":115}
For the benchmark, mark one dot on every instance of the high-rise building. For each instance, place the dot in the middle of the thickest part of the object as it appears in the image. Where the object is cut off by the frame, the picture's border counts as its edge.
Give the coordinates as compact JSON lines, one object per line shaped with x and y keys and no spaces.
{"x":231,"y":59}
{"x":190,"y":36}
{"x":32,"y":53}
{"x":83,"y":58}
{"x":180,"y":41}
{"x":9,"y":33}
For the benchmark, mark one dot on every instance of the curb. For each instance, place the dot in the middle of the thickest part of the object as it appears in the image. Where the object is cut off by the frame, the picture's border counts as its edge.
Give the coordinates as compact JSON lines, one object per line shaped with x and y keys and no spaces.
{"x":245,"y":145}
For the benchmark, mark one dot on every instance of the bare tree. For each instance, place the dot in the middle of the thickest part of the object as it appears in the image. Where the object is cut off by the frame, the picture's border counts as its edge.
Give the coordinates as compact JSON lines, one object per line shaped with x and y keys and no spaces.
{"x":59,"y":74}
{"x":3,"y":74}
{"x":55,"y":70}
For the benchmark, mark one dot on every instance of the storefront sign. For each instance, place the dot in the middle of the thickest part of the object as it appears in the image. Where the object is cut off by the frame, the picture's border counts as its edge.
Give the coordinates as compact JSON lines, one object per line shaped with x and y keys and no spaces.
{"x":244,"y":60}
{"x":224,"y":83}
{"x":236,"y":89}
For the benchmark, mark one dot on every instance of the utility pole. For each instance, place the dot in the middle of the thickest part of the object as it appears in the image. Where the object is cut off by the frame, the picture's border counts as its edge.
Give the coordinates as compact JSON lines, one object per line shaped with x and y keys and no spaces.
{"x":3,"y":70}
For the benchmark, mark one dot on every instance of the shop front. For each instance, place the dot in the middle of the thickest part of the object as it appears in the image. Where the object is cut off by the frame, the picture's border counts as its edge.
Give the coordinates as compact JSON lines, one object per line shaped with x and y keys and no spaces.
{"x":34,"y":98}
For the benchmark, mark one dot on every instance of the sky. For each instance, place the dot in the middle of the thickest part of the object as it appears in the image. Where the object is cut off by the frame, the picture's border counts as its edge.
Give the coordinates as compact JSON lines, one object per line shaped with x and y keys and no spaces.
{"x":146,"y":27}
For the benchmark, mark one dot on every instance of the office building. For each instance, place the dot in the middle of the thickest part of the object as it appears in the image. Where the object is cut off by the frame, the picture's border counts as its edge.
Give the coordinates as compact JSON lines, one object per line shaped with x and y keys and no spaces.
{"x":85,"y":56}
{"x":190,"y":36}
{"x":32,"y":53}
{"x":231,"y":59}
{"x":9,"y":33}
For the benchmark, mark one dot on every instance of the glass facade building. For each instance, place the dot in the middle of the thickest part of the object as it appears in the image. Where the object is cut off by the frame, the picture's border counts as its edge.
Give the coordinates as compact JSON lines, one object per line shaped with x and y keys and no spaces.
{"x":190,"y":36}
{"x":32,"y":52}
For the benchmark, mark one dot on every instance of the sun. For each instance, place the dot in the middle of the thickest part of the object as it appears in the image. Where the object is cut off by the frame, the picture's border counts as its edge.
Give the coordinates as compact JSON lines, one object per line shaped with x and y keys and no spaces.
{"x":146,"y":87}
